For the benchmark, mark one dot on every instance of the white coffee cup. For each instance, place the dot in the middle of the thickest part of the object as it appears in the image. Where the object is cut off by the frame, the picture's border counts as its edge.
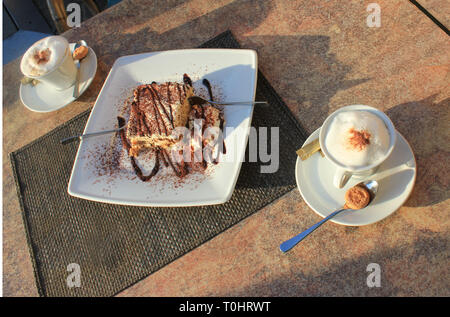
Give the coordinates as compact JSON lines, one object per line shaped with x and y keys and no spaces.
{"x":343,"y":172}
{"x":59,"y":71}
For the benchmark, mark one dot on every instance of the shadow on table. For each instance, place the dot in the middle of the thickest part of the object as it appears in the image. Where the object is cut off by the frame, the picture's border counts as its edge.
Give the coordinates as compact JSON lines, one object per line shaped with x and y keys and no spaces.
{"x":138,"y":37}
{"x":349,"y":277}
{"x":312,"y":73}
{"x":424,"y":124}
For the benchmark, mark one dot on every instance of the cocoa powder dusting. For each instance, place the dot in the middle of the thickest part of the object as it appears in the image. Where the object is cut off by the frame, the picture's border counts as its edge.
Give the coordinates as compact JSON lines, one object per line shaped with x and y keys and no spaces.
{"x":358,"y":140}
{"x":42,"y":56}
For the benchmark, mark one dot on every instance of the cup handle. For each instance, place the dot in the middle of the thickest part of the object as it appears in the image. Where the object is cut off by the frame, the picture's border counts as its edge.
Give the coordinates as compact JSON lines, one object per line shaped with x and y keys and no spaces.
{"x":341,"y":177}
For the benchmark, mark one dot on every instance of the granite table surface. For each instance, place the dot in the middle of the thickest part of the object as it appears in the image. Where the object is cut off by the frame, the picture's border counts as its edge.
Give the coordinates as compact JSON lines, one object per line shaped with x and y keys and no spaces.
{"x":439,"y":9}
{"x":319,"y":56}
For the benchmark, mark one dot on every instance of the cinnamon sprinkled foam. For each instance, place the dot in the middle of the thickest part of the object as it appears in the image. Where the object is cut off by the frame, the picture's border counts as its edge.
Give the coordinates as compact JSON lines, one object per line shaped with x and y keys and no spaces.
{"x":43,"y":56}
{"x":357,"y":138}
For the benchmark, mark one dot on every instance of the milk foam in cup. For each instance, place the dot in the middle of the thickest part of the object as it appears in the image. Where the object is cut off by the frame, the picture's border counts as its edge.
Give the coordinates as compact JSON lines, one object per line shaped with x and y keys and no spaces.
{"x":356,"y":139}
{"x":50,"y":60}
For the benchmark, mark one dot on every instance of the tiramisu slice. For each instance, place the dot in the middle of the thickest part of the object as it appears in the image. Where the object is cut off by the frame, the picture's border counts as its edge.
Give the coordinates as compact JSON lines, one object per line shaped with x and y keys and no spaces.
{"x":157,"y":109}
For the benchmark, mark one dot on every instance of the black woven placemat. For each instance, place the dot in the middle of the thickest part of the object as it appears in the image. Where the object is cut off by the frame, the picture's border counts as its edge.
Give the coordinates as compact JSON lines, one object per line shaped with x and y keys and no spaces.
{"x":116,"y":246}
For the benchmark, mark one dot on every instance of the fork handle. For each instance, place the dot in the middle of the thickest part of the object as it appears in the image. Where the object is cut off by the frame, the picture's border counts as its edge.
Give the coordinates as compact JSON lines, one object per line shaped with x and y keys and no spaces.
{"x":237,"y":103}
{"x":76,"y":88}
{"x":69,"y":140}
{"x":289,"y":244}
{"x":87,"y":135}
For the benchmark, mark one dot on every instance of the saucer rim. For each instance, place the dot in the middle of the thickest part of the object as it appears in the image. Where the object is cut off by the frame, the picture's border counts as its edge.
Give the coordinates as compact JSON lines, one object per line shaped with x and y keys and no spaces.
{"x":70,"y":100}
{"x":346,"y":223}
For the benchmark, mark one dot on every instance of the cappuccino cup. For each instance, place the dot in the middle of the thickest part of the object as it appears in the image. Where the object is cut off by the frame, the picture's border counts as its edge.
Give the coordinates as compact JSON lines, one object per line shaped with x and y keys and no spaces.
{"x":50,"y":61}
{"x":356,"y":139}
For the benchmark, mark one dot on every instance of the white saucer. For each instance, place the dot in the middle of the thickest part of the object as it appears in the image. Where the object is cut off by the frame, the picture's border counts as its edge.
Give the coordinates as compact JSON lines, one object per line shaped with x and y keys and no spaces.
{"x":315,"y":181}
{"x":42,"y":98}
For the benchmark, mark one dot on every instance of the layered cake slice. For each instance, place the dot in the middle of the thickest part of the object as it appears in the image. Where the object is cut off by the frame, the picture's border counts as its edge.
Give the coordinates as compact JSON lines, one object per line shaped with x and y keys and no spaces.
{"x":156,"y":110}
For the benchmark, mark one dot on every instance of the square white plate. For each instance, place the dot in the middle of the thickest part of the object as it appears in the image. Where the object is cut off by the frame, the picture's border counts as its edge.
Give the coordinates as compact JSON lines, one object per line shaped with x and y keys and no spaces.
{"x":232,"y":73}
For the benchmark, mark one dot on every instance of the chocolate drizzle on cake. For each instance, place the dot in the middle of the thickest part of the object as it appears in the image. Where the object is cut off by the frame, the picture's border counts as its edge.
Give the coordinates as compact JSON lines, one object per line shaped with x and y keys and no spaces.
{"x":224,"y":149}
{"x":155,"y":113}
{"x":187,"y":80}
{"x":169,"y":99}
{"x":121,"y":121}
{"x":136,"y":168}
{"x":157,"y":97}
{"x":151,"y":110}
{"x":222,"y":120}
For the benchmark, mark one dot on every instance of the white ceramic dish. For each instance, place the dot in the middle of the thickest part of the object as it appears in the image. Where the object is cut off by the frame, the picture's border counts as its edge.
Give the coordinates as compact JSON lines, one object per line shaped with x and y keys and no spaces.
{"x":43,"y":98}
{"x":315,"y":181}
{"x":233,"y":72}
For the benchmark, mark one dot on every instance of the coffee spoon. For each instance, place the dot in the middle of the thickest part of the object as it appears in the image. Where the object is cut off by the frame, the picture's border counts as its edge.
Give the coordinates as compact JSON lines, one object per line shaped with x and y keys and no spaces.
{"x":372,"y":188}
{"x":403,"y":167}
{"x":76,"y":91}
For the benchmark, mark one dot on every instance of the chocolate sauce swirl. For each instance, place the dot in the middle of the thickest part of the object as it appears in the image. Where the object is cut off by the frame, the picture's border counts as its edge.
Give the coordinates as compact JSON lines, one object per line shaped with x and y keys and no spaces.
{"x":187,"y":80}
{"x":208,"y":86}
{"x":136,"y":167}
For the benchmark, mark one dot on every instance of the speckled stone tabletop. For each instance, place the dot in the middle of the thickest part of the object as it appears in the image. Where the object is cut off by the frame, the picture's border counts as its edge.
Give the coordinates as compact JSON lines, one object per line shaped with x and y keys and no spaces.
{"x":319,"y":56}
{"x":439,"y":9}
